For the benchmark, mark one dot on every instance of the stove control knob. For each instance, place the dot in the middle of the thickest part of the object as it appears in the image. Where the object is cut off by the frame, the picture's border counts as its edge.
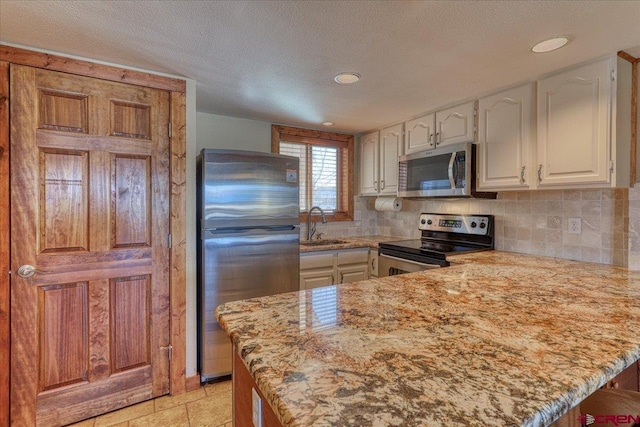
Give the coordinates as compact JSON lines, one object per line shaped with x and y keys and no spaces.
{"x":429,"y":222}
{"x":423,"y":222}
{"x":473,"y":224}
{"x":483,"y":225}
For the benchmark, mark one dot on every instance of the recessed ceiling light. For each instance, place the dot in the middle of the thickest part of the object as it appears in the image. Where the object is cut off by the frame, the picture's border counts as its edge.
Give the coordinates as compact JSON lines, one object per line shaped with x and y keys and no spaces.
{"x":327,"y":123}
{"x":347,"y":78}
{"x":551,"y":44}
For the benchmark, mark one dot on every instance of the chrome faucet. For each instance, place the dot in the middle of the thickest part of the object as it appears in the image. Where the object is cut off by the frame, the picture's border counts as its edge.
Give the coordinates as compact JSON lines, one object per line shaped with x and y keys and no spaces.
{"x":312,"y":229}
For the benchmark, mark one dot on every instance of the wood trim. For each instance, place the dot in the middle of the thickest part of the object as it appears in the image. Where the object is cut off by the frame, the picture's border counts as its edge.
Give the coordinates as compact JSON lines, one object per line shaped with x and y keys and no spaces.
{"x":315,"y":137}
{"x":4,"y":244}
{"x":634,"y":124}
{"x":624,"y":55}
{"x":193,"y":383}
{"x":65,"y":64}
{"x":178,"y":226}
{"x":310,"y":133}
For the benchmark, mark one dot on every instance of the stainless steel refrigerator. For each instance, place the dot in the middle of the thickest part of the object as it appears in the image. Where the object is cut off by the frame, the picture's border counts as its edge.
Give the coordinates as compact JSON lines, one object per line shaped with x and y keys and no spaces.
{"x":248,"y":209}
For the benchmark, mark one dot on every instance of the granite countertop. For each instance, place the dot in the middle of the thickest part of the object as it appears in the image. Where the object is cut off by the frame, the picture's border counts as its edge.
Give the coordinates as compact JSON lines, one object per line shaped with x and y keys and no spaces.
{"x":497,"y":339}
{"x":349,"y":243}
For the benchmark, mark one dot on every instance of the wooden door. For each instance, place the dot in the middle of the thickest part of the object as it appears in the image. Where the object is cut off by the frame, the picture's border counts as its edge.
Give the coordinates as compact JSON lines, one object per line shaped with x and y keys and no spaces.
{"x":90,"y":212}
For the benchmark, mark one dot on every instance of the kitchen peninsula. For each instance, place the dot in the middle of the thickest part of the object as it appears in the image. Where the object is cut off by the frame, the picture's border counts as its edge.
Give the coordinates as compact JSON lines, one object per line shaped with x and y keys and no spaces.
{"x":497,"y":339}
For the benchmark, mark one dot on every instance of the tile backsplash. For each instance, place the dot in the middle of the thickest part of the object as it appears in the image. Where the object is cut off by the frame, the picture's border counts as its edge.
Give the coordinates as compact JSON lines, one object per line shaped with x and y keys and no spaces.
{"x":532,"y":222}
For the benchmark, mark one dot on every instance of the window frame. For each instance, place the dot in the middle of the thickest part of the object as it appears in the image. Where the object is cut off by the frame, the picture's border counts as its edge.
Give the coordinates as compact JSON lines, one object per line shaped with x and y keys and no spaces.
{"x":322,"y":138}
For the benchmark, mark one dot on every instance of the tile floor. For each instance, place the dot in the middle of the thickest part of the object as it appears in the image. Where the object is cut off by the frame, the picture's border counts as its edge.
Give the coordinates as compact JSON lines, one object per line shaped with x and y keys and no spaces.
{"x":209,"y":406}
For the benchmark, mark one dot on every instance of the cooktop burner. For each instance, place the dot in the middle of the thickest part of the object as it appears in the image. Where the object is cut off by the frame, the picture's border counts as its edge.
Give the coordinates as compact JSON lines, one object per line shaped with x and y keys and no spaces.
{"x":426,"y":246}
{"x":444,"y":235}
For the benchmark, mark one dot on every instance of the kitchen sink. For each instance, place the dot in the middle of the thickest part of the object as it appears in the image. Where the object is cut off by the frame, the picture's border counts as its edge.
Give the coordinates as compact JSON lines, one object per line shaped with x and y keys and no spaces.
{"x":321,"y":242}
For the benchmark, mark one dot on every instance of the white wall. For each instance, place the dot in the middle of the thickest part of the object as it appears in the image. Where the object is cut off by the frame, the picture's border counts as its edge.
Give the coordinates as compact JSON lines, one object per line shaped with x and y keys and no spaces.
{"x":232,"y":133}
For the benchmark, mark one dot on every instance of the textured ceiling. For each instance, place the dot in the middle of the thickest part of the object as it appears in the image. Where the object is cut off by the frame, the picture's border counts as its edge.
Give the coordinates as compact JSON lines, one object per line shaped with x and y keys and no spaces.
{"x":275,"y":60}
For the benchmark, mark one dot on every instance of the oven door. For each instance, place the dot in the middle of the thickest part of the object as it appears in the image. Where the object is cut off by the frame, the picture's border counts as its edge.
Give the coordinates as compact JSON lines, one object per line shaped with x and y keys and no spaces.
{"x":390,"y":266}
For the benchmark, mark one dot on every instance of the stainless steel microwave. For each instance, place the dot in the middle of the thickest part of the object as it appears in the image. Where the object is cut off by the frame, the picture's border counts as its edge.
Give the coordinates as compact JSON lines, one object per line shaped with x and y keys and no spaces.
{"x":443,"y":172}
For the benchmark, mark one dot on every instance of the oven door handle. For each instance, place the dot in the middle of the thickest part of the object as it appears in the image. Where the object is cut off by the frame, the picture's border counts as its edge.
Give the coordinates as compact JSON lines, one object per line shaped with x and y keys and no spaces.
{"x":452,"y":160}
{"x":421,"y":264}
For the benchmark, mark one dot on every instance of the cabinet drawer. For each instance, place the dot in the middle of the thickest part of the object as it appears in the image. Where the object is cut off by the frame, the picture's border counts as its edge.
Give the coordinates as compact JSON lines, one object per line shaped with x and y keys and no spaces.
{"x":323,"y":260}
{"x":353,"y":257}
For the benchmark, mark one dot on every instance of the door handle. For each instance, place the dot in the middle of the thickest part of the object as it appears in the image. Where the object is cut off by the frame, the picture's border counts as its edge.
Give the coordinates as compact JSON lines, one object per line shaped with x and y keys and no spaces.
{"x":540,"y":173}
{"x":27,"y":270}
{"x":522,"y":180}
{"x":452,"y":180}
{"x":431,"y":139}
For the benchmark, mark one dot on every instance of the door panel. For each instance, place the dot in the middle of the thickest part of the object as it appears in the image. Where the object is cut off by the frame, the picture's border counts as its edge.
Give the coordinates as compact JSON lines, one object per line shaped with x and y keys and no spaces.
{"x":90,"y":184}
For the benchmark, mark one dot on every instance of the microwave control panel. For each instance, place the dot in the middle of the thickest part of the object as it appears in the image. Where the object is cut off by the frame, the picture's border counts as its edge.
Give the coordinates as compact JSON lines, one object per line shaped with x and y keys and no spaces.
{"x":466,"y":224}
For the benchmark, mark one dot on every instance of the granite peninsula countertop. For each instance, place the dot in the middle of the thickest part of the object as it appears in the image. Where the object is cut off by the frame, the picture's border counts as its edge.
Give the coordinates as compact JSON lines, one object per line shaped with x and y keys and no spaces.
{"x":349,"y":243}
{"x":497,"y":339}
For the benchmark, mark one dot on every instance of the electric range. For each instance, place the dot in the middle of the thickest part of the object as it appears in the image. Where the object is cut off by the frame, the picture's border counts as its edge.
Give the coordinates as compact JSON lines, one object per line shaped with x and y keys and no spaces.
{"x":442,"y":235}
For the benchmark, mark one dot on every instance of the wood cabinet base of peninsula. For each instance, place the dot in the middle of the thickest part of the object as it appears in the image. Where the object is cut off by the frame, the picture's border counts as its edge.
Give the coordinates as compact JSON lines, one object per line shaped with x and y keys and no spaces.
{"x":242,"y":403}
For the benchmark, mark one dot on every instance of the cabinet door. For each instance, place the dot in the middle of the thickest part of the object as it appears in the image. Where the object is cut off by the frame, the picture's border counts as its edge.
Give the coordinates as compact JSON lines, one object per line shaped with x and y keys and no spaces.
{"x":456,"y":124}
{"x":353,"y":273}
{"x":310,"y":279}
{"x":504,"y":138}
{"x":574,"y":125}
{"x":390,"y":145}
{"x":369,"y":164}
{"x":420,"y":135}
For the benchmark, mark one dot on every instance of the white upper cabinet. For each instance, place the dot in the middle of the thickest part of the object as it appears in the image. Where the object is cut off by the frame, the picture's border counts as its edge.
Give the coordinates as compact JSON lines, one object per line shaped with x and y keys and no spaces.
{"x":456,"y":124}
{"x":450,"y":126}
{"x":504,"y":139}
{"x":390,"y":149}
{"x":379,"y":153}
{"x":419,"y":134}
{"x":369,"y":164}
{"x":574,"y":125}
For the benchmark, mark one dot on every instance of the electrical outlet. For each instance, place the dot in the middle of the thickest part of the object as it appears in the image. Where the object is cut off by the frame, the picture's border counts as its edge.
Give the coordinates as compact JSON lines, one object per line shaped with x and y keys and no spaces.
{"x":575,"y":226}
{"x":256,"y":408}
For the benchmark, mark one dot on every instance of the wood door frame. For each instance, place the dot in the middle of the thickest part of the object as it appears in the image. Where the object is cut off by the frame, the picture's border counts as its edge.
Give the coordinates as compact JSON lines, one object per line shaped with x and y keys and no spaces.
{"x":178,"y":204}
{"x":4,"y":242}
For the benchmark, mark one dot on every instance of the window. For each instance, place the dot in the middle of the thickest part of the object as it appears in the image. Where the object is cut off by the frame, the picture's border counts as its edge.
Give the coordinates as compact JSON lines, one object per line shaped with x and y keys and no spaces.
{"x":326,"y":169}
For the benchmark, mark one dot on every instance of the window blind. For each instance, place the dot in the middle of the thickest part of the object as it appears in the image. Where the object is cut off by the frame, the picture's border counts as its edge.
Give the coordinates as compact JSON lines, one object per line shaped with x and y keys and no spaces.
{"x":322,"y":168}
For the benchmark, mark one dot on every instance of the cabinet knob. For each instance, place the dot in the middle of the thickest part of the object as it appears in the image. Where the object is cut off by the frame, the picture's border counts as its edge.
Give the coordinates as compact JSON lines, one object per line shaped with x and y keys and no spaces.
{"x":522,"y":180}
{"x":431,"y":139}
{"x":382,"y":184}
{"x":375,"y":185}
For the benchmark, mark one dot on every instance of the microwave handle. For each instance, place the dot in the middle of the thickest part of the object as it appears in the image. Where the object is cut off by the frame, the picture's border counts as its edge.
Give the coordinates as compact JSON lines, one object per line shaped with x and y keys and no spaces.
{"x":452,"y":160}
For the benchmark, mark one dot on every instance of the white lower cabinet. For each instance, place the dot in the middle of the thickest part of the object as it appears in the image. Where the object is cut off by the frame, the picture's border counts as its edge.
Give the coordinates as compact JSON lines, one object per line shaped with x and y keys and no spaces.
{"x":324,"y":268}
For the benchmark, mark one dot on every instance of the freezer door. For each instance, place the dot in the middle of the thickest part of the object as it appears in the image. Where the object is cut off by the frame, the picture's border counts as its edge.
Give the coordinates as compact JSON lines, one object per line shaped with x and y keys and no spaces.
{"x":240,"y":265}
{"x":244,"y":188}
